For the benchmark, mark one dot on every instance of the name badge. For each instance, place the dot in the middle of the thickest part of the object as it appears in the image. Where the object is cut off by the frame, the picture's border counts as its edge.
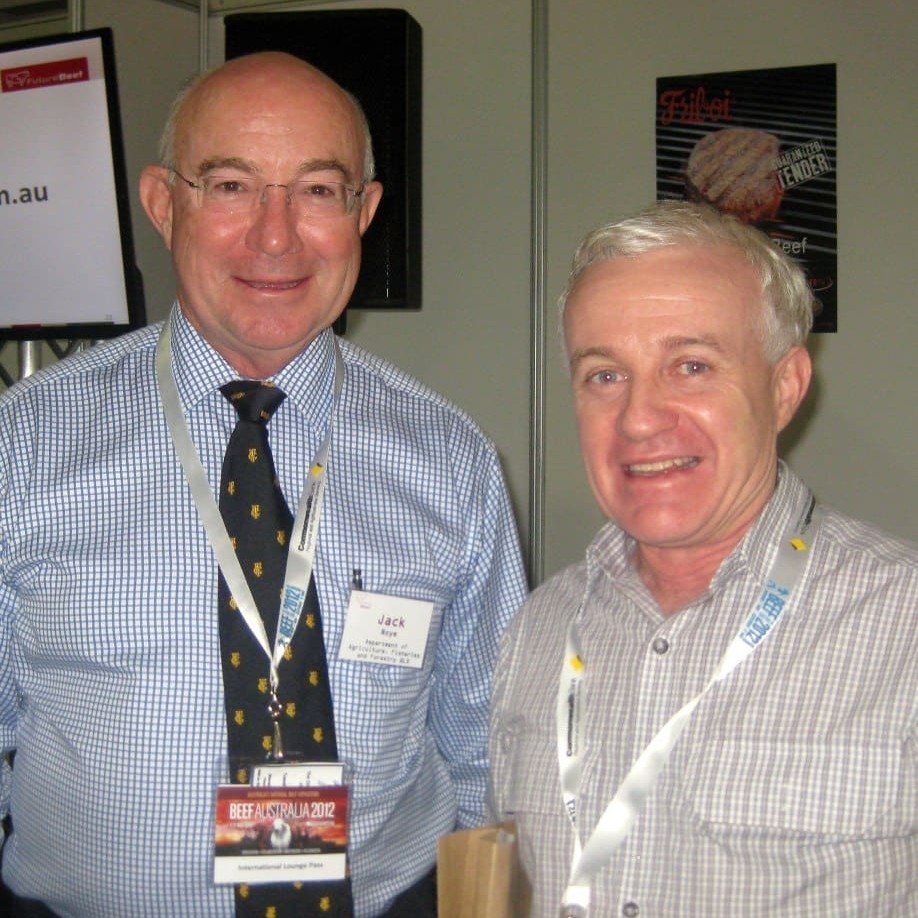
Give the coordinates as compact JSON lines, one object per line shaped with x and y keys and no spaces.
{"x":297,"y":774}
{"x":280,"y":835}
{"x":386,"y":629}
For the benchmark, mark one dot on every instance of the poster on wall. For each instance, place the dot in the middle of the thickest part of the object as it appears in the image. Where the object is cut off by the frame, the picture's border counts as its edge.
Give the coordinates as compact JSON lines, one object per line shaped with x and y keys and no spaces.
{"x":761,"y":145}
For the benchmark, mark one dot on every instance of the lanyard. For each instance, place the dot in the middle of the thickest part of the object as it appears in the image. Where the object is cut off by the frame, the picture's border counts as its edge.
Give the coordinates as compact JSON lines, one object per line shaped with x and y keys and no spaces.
{"x":623,"y":809}
{"x":302,"y":550}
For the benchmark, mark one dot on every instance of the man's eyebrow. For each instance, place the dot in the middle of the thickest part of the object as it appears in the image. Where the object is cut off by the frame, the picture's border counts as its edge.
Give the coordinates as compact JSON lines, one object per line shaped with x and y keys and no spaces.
{"x":583,"y":352}
{"x":216,"y":163}
{"x":323,"y":165}
{"x":239,"y":164}
{"x":667,"y":343}
{"x":674,"y":342}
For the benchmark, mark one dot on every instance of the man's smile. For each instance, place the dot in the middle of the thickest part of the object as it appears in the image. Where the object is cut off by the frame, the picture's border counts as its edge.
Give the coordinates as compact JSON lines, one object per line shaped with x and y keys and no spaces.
{"x":272,"y":285}
{"x":661,"y":467}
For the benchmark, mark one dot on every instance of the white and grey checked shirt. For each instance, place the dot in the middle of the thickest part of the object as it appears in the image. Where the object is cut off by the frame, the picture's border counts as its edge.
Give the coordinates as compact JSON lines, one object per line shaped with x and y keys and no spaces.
{"x":110,"y":676}
{"x":793,"y":791}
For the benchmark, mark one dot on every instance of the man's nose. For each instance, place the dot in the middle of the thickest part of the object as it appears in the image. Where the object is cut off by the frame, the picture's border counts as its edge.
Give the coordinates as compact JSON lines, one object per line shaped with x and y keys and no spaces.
{"x":274,"y":229}
{"x":647,"y":409}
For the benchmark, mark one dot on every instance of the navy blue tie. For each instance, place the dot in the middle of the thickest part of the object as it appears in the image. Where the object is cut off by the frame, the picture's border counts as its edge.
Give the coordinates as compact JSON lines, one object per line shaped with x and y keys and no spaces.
{"x":258,"y":523}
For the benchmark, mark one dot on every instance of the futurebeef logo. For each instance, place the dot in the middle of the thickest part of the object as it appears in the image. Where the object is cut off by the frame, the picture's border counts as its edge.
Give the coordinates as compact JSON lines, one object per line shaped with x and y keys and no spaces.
{"x":41,"y":76}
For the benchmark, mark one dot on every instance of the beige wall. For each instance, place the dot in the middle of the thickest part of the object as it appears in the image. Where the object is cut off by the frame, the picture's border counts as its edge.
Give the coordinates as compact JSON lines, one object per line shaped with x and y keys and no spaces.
{"x":856,"y":446}
{"x":156,"y":50}
{"x":471,"y":338}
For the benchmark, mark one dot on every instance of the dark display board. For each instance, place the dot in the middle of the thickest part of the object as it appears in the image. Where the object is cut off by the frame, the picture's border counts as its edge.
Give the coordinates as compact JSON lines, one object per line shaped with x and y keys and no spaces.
{"x":760,"y":144}
{"x":375,"y":55}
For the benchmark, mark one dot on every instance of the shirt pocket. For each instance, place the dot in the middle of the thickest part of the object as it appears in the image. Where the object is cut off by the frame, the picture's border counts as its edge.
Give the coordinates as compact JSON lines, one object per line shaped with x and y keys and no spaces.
{"x":840,"y":790}
{"x":527,"y":790}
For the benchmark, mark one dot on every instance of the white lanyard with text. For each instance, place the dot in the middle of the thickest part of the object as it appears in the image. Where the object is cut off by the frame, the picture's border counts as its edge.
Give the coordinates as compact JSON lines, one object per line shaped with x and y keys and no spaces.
{"x":302,"y":551}
{"x":621,"y":812}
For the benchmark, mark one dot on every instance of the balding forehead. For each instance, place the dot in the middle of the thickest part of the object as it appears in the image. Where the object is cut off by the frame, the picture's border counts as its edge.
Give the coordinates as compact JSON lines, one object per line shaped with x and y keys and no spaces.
{"x":272,"y":69}
{"x":281,"y":80}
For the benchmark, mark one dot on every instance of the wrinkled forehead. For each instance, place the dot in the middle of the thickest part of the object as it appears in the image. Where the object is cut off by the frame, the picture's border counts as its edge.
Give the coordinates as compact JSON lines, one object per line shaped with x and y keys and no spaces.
{"x":667,"y":282}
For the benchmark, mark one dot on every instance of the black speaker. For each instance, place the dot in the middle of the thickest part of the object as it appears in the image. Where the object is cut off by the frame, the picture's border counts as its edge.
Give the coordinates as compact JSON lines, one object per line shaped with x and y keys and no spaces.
{"x":376,"y":55}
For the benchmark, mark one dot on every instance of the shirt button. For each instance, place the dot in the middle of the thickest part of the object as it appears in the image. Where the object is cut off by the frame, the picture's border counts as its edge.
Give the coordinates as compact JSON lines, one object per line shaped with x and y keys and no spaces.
{"x":630,"y":909}
{"x":660,"y":646}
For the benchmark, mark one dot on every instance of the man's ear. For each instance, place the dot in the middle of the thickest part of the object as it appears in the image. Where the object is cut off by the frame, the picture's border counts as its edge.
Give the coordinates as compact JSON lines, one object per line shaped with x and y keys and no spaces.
{"x":372,"y":193}
{"x":791,"y":378}
{"x":156,"y":198}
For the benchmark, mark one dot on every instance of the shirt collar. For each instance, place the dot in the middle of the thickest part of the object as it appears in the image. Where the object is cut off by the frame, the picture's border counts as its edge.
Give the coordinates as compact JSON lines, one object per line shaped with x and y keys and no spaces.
{"x":309,"y":380}
{"x":756,"y":550}
{"x":199,"y":370}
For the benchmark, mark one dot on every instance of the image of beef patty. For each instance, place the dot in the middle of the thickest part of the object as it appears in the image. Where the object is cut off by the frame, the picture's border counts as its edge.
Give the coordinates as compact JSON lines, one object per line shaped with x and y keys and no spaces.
{"x":734,"y":170}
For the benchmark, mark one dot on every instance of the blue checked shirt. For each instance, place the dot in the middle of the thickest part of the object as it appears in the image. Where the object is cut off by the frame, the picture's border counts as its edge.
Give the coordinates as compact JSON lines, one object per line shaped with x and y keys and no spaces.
{"x":110,"y":674}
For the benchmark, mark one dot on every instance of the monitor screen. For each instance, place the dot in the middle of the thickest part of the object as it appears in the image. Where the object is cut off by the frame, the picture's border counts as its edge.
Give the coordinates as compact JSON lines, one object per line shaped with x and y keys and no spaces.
{"x":67,"y":266}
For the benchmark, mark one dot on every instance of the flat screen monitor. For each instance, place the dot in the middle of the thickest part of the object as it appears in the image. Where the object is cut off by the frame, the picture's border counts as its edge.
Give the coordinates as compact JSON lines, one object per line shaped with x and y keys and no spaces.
{"x":67,"y":266}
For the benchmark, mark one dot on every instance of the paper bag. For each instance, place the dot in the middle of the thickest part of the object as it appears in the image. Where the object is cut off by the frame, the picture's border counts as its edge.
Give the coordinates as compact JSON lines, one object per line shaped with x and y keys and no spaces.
{"x":479,"y":874}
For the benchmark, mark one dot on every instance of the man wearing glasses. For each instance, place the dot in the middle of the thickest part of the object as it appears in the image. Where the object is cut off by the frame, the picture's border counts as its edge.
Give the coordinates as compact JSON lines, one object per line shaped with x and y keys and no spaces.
{"x":118,"y":691}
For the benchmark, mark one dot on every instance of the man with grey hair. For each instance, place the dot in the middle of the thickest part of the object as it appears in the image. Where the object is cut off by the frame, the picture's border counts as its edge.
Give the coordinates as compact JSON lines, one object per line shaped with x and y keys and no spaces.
{"x":177,"y":673}
{"x":728,"y":722}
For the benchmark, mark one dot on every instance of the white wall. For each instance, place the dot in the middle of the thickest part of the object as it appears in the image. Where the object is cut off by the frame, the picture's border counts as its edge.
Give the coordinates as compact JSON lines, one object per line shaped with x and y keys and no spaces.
{"x":471,"y":338}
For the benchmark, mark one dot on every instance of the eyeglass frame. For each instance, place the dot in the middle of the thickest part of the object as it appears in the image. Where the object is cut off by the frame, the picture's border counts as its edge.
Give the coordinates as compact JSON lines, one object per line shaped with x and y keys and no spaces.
{"x":354,"y":196}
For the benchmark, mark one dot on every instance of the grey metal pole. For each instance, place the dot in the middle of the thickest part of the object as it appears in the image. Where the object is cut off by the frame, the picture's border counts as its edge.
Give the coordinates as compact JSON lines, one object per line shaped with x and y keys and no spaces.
{"x":539,"y":141}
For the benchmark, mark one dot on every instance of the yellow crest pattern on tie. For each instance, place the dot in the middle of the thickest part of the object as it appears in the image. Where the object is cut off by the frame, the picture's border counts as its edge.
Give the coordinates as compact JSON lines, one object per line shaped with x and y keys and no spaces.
{"x":258,"y":524}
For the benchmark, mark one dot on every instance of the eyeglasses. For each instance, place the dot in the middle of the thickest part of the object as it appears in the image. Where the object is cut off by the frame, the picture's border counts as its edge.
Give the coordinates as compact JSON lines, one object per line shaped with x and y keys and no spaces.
{"x":241,"y":194}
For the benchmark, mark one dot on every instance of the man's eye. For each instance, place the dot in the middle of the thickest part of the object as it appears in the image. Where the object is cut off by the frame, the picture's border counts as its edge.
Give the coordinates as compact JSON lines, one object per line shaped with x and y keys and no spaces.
{"x":604,"y":377}
{"x":228,"y":187}
{"x":320,"y":191}
{"x":693,"y":367}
